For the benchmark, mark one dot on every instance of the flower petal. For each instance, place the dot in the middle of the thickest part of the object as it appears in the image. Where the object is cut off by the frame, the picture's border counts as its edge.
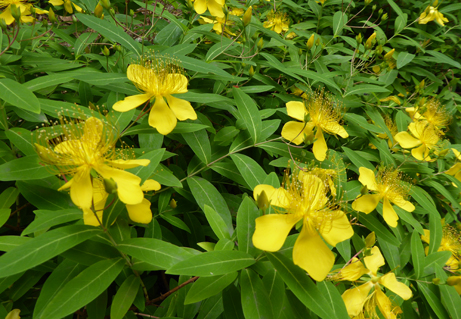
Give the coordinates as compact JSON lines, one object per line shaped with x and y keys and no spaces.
{"x":320,"y":147}
{"x":296,"y":132}
{"x":366,"y":203}
{"x":389,"y":214}
{"x":313,"y":192}
{"x":406,"y":140}
{"x":374,"y":261}
{"x":178,"y":84}
{"x":454,"y":169}
{"x":339,"y":230}
{"x":335,"y":128}
{"x":268,"y":189}
{"x":426,"y":236}
{"x":421,"y":153}
{"x":215,"y":9}
{"x":6,"y":15}
{"x":455,"y":281}
{"x":200,"y":6}
{"x":81,"y":190}
{"x":351,"y":272}
{"x":312,"y":254}
{"x":272,"y":230}
{"x":390,"y":282}
{"x":402,"y":203}
{"x":355,"y":298}
{"x":126,"y":164}
{"x":161,"y":117}
{"x":150,"y":185}
{"x":181,"y":108}
{"x":92,"y":132}
{"x":89,"y":217}
{"x":145,"y":78}
{"x":128,"y":188}
{"x":385,"y":305}
{"x":131,"y":102}
{"x":367,"y":178}
{"x":141,"y":212}
{"x":56,"y":2}
{"x":296,"y":110}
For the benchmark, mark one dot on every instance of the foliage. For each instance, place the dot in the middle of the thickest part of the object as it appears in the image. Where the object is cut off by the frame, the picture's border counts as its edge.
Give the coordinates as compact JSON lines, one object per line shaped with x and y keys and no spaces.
{"x":289,"y":137}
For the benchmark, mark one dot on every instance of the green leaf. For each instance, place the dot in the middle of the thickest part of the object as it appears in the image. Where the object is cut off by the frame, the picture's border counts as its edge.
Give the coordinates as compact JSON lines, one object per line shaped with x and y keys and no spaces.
{"x":200,"y":143}
{"x":49,"y":218}
{"x":4,"y":215}
{"x":8,"y":243}
{"x":206,"y":194}
{"x":444,"y":192}
{"x":395,"y":7}
{"x":146,"y":172}
{"x":442,"y":58}
{"x":90,"y":252}
{"x":44,"y":197}
{"x":212,"y":263}
{"x":339,"y":21}
{"x":255,"y":300}
{"x":232,"y":303}
{"x":423,"y":199}
{"x":332,"y":294}
{"x":206,"y":287}
{"x":22,"y":139}
{"x":110,"y":31}
{"x":18,"y":95}
{"x":99,"y":78}
{"x":436,"y":232}
{"x":246,"y":216}
{"x":381,"y":231}
{"x":82,"y":289}
{"x":206,"y":68}
{"x":451,"y":299}
{"x":249,"y":112}
{"x":301,"y":285}
{"x":217,"y":223}
{"x":83,"y":41}
{"x":435,"y":260}
{"x":124,"y":297}
{"x":48,"y":81}
{"x":404,"y":58}
{"x":433,"y":300}
{"x":356,"y":159}
{"x":417,"y":254}
{"x":24,"y":168}
{"x":154,"y":251}
{"x":250,"y":170}
{"x":8,"y":197}
{"x":365,"y":88}
{"x":400,"y":23}
{"x":275,"y":288}
{"x":44,"y":247}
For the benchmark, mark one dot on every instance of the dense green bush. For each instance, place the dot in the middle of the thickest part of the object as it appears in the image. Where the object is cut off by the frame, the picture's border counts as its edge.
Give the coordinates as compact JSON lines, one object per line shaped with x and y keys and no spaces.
{"x":223,"y":159}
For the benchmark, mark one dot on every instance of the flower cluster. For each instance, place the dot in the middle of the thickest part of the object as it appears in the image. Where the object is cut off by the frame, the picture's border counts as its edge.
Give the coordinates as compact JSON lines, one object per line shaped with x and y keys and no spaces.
{"x":277,"y":21}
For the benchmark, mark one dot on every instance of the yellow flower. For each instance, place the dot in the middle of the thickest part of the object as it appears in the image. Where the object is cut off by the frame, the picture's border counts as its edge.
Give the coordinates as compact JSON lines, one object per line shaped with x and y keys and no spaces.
{"x":68,"y":5}
{"x":159,"y":77}
{"x":324,"y":115}
{"x":277,"y":22}
{"x":236,"y":12}
{"x":387,"y":187}
{"x":392,"y":128}
{"x":219,"y":24}
{"x":358,"y":300}
{"x":455,"y":170}
{"x":451,"y":241}
{"x":139,"y":213}
{"x":23,"y":6}
{"x":455,"y":281}
{"x":423,"y":138}
{"x":13,"y":314}
{"x":214,"y":6}
{"x":298,"y":92}
{"x":431,"y":14}
{"x":303,"y":198}
{"x":431,"y":111}
{"x":88,"y":151}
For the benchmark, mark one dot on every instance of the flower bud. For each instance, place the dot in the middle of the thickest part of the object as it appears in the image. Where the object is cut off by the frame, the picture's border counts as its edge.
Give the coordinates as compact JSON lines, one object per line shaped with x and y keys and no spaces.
{"x":106,"y":4}
{"x":359,"y":38}
{"x":74,"y":19}
{"x":317,"y":42}
{"x":379,"y":49}
{"x":110,"y":185}
{"x":15,"y":12}
{"x":105,"y":51}
{"x":52,"y":16}
{"x":112,"y":11}
{"x":247,"y":16}
{"x":251,"y":72}
{"x":373,"y":7}
{"x":421,"y":85}
{"x":384,"y":17}
{"x":260,"y":43}
{"x":13,"y":314}
{"x":118,"y":47}
{"x":263,"y":201}
{"x":389,"y":55}
{"x":98,"y":11}
{"x":131,"y":13}
{"x":436,"y":281}
{"x":370,"y":240}
{"x":3,"y":24}
{"x":310,"y":42}
{"x":370,"y":40}
{"x":367,"y":2}
{"x":376,"y":68}
{"x":380,"y":12}
{"x":173,"y":203}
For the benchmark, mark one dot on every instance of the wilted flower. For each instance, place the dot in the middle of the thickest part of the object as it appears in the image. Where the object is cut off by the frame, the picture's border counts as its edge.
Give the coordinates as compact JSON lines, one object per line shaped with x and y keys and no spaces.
{"x":431,"y":14}
{"x":303,"y":198}
{"x":214,"y":6}
{"x":388,"y":187}
{"x":86,"y":149}
{"x":158,"y":77}
{"x":68,"y":5}
{"x":277,"y":22}
{"x":423,"y":138}
{"x":451,"y":241}
{"x":319,"y":111}
{"x":358,"y":300}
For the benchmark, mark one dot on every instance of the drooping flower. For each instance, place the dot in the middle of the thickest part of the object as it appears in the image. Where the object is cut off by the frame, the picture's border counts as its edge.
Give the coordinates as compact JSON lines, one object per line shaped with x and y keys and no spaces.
{"x":451,"y":241}
{"x":388,"y":187}
{"x":158,"y":77}
{"x":24,"y":7}
{"x":214,"y":6}
{"x":431,"y":14}
{"x":303,"y":198}
{"x":277,"y":22}
{"x":87,"y":149}
{"x":359,"y":302}
{"x":422,"y":139}
{"x":68,"y":5}
{"x":319,"y":111}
